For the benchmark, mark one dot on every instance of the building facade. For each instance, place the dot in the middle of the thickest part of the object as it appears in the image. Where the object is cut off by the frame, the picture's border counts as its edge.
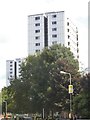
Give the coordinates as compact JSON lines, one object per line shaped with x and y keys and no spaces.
{"x":12,"y":70}
{"x":51,"y":28}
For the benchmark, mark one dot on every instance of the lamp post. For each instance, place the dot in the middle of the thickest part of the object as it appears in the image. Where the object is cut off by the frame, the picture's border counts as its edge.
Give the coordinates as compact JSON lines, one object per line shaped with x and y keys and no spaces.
{"x":70,"y":91}
{"x":5,"y":108}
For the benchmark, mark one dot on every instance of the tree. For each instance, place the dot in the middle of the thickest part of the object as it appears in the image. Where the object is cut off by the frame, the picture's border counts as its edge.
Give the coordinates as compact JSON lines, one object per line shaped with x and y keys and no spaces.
{"x":41,"y":85}
{"x":7,"y":97}
{"x":82,"y":101}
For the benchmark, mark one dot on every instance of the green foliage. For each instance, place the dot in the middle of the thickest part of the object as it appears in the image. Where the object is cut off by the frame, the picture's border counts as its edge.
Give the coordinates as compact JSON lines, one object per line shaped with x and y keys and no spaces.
{"x":41,"y":85}
{"x":82,"y":101}
{"x":7,"y":95}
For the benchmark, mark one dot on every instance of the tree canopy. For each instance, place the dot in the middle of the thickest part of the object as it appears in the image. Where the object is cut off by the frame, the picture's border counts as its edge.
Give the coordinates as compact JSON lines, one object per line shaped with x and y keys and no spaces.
{"x":82,"y":100}
{"x":41,"y":85}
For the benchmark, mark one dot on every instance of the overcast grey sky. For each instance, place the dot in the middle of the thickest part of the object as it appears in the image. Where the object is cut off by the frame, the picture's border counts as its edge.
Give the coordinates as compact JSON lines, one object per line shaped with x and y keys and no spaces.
{"x":14,"y":26}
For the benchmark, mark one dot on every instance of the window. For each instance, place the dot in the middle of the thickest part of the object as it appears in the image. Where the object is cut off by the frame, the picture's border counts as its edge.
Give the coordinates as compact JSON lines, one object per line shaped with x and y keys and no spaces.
{"x":67,"y":30}
{"x":37,"y":18}
{"x":37,"y":44}
{"x":76,"y":30}
{"x":77,"y":37}
{"x":54,"y":29}
{"x":78,"y":56}
{"x":67,"y":23}
{"x":54,"y":36}
{"x":10,"y":61}
{"x":19,"y":68}
{"x":77,"y":50}
{"x":10,"y":72}
{"x":68,"y":43}
{"x":54,"y":16}
{"x":37,"y":24}
{"x":10,"y":68}
{"x":19,"y":65}
{"x":37,"y":37}
{"x":54,"y":42}
{"x":10,"y":65}
{"x":37,"y":31}
{"x":68,"y":36}
{"x":77,"y":44}
{"x":54,"y":22}
{"x":37,"y":50}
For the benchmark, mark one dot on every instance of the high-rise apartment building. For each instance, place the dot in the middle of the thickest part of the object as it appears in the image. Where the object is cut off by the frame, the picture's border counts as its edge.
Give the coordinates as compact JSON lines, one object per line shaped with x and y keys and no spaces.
{"x":12,"y":70}
{"x":51,"y":28}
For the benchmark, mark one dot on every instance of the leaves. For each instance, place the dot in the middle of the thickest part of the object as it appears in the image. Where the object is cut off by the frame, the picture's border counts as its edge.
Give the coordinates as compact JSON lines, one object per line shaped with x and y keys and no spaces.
{"x":41,"y":85}
{"x":82,"y":100}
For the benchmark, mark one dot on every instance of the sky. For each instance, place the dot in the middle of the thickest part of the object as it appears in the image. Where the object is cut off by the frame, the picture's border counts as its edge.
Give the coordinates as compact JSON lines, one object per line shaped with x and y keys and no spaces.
{"x":14,"y":27}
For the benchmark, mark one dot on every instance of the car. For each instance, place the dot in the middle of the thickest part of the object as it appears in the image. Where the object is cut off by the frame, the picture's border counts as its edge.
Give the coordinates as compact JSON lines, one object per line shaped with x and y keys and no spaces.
{"x":27,"y":118}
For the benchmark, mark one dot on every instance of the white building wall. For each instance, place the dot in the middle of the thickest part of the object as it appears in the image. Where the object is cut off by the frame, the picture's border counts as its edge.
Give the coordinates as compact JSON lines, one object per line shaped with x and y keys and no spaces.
{"x":55,"y":21}
{"x":71,"y":33}
{"x":57,"y":29}
{"x":9,"y":71}
{"x":35,"y":39}
{"x":18,"y":65}
{"x":12,"y":71}
{"x":73,"y":38}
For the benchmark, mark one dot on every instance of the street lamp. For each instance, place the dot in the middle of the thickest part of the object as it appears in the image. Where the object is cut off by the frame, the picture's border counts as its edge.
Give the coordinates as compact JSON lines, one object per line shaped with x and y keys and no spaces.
{"x":4,"y":108}
{"x":70,"y":91}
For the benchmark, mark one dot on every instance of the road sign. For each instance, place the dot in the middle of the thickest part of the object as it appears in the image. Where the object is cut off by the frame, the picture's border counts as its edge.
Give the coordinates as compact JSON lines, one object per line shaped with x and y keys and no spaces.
{"x":70,"y":88}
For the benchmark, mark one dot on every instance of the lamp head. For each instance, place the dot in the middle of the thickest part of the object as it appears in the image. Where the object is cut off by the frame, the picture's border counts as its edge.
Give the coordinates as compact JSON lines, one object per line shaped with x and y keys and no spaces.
{"x":62,"y":72}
